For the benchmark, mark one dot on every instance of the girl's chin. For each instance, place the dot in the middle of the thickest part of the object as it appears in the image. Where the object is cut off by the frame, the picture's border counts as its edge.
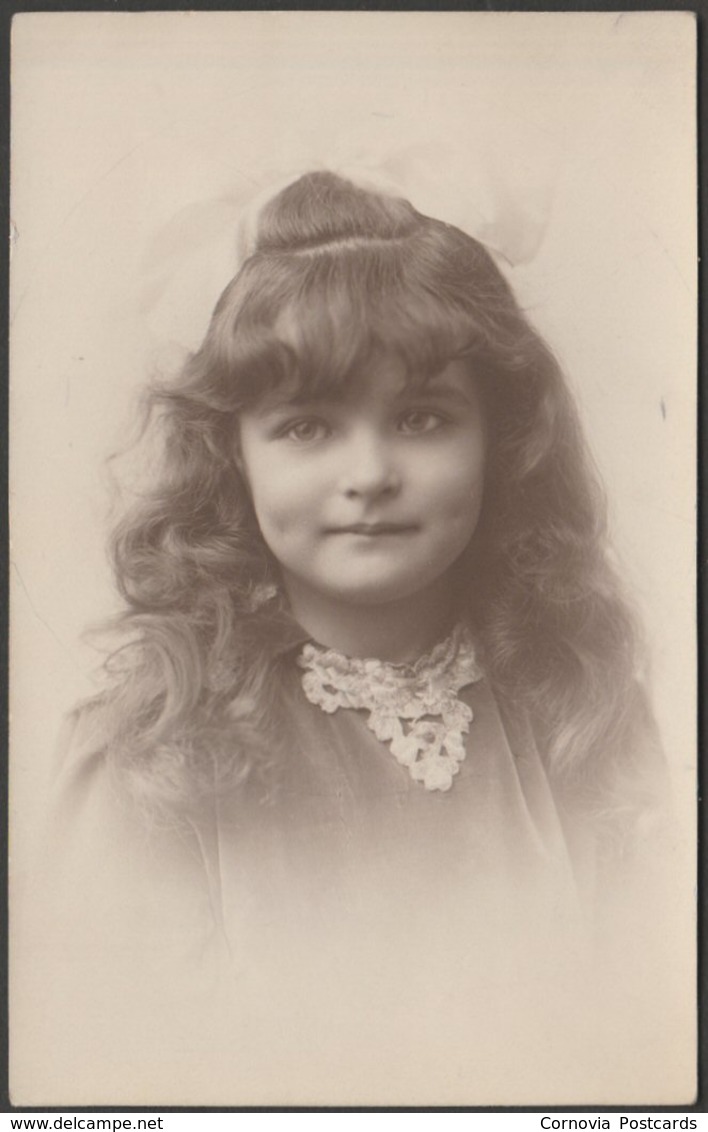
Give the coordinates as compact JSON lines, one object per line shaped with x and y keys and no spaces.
{"x":351,"y":582}
{"x":378,"y":592}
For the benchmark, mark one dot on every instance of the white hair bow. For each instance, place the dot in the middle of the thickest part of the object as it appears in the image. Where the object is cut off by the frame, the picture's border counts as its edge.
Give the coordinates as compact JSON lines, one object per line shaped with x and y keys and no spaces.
{"x":195,"y":255}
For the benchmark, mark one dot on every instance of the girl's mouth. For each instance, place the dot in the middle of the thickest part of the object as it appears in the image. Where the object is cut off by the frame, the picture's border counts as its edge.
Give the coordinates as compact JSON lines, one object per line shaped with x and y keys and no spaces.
{"x":373,"y":530}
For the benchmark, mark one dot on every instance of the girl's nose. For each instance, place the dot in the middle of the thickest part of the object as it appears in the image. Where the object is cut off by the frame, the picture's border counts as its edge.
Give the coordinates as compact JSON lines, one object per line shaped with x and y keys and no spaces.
{"x":370,"y":470}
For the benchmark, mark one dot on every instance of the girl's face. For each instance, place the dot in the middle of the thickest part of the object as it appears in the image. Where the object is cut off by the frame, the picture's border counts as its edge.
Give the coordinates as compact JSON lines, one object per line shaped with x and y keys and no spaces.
{"x":371,"y":495}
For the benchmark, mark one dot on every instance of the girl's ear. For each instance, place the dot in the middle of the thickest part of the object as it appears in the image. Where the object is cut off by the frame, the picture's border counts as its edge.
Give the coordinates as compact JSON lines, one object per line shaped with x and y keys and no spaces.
{"x":240,"y":465}
{"x":238,"y":457}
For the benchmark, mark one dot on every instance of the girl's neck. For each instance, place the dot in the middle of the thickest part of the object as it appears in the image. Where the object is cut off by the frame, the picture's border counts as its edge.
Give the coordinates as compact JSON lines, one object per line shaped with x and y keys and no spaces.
{"x":397,"y":631}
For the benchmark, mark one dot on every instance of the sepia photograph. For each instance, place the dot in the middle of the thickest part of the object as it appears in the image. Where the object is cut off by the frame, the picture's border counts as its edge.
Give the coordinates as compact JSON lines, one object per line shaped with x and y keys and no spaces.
{"x":353,"y":515}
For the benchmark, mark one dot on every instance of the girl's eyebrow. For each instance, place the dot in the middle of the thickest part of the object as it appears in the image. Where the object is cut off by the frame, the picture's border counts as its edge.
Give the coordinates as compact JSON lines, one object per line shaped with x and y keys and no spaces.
{"x":441,"y":389}
{"x":295,"y":400}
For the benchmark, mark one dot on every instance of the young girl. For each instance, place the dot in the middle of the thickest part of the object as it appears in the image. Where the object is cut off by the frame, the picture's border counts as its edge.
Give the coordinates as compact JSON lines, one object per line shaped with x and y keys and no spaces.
{"x":374,"y":733}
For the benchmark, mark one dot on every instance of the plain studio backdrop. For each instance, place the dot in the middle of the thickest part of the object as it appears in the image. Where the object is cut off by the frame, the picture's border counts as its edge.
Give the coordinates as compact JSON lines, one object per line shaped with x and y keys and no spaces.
{"x":573,"y":132}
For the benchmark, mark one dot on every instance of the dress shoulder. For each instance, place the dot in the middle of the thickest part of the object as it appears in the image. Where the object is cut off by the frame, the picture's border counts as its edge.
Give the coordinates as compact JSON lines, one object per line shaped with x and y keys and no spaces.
{"x":117,"y":945}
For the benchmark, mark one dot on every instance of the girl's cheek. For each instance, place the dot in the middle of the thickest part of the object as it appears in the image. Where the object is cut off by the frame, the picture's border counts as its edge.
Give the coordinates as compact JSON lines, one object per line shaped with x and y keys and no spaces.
{"x":462,"y":478}
{"x":465,"y":502}
{"x":281,"y":505}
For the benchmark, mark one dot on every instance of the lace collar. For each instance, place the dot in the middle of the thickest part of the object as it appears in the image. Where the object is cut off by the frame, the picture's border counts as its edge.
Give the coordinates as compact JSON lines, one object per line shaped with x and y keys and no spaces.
{"x":412,"y":707}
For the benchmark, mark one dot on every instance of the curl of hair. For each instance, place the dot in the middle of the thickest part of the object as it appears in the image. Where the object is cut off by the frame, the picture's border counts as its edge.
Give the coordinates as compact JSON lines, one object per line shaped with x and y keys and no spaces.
{"x":337,"y":272}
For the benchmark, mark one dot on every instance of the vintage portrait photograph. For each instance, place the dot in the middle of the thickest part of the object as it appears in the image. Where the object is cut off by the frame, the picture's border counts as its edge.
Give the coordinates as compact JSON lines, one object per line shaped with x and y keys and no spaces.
{"x":353,"y":670}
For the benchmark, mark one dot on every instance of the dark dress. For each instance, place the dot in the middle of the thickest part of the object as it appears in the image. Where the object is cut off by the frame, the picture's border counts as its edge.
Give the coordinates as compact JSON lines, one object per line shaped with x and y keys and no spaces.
{"x":349,"y":938}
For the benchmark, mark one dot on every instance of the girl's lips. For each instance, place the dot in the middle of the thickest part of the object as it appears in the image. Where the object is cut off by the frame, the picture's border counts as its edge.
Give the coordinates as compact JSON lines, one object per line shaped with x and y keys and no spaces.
{"x":373,"y":529}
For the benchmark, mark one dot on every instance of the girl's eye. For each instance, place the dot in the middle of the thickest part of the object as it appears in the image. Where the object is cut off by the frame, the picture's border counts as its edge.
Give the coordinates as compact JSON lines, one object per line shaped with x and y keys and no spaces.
{"x":306,"y":430}
{"x":420,"y":420}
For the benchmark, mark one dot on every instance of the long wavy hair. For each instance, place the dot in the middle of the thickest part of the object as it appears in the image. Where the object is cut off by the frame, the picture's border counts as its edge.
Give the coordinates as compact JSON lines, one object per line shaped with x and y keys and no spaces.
{"x":337,"y":271}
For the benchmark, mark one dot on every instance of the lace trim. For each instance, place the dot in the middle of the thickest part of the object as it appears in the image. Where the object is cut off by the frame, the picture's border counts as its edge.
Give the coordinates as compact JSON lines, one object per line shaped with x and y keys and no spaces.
{"x":412,"y":707}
